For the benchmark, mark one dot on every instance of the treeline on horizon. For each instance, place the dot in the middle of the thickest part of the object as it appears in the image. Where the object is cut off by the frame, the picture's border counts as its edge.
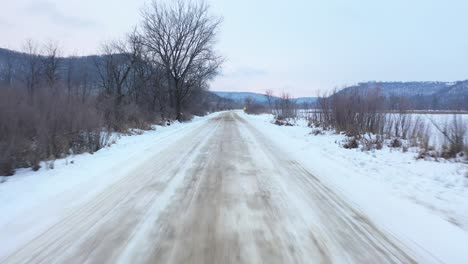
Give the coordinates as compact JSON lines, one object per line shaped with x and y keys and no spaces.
{"x":52,"y":106}
{"x":394,"y":96}
{"x":415,"y":95}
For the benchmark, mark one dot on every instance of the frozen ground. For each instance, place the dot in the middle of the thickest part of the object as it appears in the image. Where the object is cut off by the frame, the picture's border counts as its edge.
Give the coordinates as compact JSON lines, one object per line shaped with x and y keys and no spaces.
{"x":233,"y":188}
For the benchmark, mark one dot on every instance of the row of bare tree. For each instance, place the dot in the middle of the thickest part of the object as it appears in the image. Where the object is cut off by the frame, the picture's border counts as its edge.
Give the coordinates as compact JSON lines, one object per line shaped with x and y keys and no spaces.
{"x":51,"y":106}
{"x":354,"y":112}
{"x":283,"y":107}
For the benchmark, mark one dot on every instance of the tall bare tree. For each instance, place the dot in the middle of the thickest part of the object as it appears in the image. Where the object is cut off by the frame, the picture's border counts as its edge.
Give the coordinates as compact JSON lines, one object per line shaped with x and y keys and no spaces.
{"x":115,"y":68}
{"x":181,"y":36}
{"x":269,"y":97}
{"x":31,"y":67}
{"x":50,"y":64}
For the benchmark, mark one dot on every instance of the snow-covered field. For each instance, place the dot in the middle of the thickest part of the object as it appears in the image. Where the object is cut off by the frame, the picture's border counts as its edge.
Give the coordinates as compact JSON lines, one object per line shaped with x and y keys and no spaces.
{"x":422,"y":202}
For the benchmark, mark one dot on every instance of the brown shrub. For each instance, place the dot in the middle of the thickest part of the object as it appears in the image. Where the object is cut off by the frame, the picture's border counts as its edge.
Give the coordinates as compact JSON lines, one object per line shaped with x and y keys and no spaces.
{"x":352,"y":143}
{"x":396,"y":143}
{"x":256,"y":109}
{"x":44,"y":127}
{"x":280,"y":122}
{"x":317,"y":132}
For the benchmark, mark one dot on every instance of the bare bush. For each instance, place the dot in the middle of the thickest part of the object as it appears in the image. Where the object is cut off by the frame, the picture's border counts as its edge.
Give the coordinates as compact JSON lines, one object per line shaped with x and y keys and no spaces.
{"x":283,"y":122}
{"x":351,"y":143}
{"x":454,"y":133}
{"x":286,"y":107}
{"x":396,"y":143}
{"x":364,"y":117}
{"x":254,"y":108}
{"x":44,"y":129}
{"x":316,"y":132}
{"x":421,"y":135}
{"x":354,"y":113}
{"x":401,"y":125}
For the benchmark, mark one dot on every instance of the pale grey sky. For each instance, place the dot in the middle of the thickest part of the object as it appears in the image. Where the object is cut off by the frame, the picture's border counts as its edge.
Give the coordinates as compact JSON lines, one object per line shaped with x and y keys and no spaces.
{"x":300,"y":46}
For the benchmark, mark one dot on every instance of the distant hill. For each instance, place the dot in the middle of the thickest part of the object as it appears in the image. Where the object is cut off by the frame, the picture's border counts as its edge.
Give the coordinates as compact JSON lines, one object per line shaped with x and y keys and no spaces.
{"x":306,"y":100}
{"x":240,"y":97}
{"x":84,"y":68}
{"x":421,"y":95}
{"x":404,"y":88}
{"x":86,"y":64}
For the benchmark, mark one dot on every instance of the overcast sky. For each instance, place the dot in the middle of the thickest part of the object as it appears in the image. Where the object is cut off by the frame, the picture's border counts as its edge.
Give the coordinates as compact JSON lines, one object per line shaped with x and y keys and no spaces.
{"x":299,"y":46}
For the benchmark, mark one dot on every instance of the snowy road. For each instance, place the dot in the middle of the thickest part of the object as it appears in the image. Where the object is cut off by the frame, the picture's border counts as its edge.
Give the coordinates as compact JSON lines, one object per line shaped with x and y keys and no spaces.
{"x":222,"y":194}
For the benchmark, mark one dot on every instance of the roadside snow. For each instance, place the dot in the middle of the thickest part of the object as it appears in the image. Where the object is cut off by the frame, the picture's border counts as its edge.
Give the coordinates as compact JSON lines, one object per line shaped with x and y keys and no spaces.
{"x":424,"y":203}
{"x":76,"y":182}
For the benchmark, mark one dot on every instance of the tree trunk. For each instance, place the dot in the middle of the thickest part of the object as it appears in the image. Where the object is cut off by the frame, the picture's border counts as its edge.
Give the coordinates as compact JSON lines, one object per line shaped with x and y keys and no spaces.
{"x":178,"y":108}
{"x":178,"y":99}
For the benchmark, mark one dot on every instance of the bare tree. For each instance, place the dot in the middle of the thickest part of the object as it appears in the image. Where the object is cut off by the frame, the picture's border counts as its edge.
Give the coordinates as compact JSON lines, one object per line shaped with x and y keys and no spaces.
{"x":159,"y":92}
{"x":69,"y":74}
{"x":114,"y":69}
{"x":269,"y":97}
{"x":287,"y":107}
{"x":30,"y":70}
{"x":50,"y":64}
{"x":142,"y":71}
{"x":181,"y":37}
